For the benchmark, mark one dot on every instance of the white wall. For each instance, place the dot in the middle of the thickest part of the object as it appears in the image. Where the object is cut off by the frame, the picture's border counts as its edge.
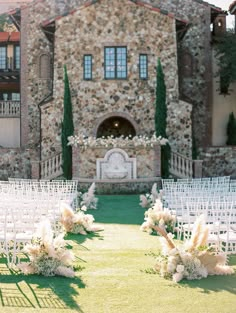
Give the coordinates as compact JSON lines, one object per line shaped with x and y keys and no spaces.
{"x":10,"y":132}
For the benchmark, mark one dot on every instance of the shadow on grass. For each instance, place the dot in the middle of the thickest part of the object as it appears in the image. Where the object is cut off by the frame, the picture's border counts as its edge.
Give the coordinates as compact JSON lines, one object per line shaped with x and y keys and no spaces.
{"x":79,"y":239}
{"x":214,"y":283}
{"x":34,"y":291}
{"x":119,"y":209}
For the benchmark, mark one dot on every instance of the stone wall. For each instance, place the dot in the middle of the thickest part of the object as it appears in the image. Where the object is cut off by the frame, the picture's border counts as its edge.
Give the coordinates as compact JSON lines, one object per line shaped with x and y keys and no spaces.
{"x":218,"y":161}
{"x":14,"y":163}
{"x":197,"y":86}
{"x":117,"y":23}
{"x":142,"y":31}
{"x":87,"y":31}
{"x":134,"y":187}
{"x":147,"y":160}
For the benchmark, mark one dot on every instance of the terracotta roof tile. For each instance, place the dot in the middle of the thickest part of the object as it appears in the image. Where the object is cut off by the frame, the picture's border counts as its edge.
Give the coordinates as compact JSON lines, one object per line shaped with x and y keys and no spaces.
{"x":14,"y":36}
{"x":4,"y":36}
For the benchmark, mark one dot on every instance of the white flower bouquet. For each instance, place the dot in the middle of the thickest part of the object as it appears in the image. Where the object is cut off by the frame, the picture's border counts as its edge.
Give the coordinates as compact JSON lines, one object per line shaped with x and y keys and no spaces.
{"x":48,"y":254}
{"x":157,"y":215}
{"x":111,"y":141}
{"x":149,"y":199}
{"x":77,"y":222}
{"x":191,"y":260}
{"x":88,"y":199}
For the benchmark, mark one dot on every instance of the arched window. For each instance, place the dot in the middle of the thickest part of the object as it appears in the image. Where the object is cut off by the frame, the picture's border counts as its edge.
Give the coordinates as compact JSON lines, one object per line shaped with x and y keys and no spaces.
{"x":44,"y":67}
{"x":116,"y":126}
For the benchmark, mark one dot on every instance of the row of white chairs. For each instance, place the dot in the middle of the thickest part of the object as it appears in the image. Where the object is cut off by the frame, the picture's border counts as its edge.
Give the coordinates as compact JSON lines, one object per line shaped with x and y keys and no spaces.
{"x":216,"y":179}
{"x":220,"y":218}
{"x":214,"y":189}
{"x":23,"y":205}
{"x":60,"y":190}
{"x":18,"y":223}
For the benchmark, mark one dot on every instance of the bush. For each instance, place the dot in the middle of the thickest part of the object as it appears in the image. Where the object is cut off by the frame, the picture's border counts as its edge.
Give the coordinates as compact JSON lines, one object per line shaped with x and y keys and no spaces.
{"x":231,"y":130}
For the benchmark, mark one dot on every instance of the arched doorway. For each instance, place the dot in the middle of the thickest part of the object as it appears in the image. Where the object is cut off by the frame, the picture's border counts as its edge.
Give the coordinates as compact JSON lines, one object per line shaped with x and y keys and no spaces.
{"x":116,"y":126}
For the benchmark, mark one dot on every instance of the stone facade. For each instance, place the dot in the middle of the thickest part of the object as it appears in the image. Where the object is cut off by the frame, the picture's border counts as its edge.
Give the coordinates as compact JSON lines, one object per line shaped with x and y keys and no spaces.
{"x":219,"y":161}
{"x":92,"y":100}
{"x":86,"y":27}
{"x":147,"y":160}
{"x":196,"y":84}
{"x":101,"y":25}
{"x":14,"y":163}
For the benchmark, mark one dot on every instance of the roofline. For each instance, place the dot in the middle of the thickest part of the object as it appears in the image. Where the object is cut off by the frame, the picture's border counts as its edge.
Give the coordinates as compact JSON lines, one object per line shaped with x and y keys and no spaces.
{"x":218,"y":9}
{"x":232,"y":8}
{"x":91,"y":2}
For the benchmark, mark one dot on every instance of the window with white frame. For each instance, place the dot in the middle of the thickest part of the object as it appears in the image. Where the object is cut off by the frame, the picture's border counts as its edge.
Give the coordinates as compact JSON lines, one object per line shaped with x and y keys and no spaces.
{"x":87,"y":66}
{"x":3,"y":58}
{"x":115,"y":62}
{"x":143,"y":66}
{"x":17,"y":57}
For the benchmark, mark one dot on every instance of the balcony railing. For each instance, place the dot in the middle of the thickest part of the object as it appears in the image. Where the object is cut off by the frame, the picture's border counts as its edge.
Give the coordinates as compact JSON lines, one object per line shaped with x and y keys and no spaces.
{"x":183,"y":167}
{"x":9,"y":108}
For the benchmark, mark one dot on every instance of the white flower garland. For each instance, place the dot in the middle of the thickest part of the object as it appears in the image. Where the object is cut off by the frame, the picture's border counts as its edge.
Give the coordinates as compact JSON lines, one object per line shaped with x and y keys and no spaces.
{"x":112,"y":141}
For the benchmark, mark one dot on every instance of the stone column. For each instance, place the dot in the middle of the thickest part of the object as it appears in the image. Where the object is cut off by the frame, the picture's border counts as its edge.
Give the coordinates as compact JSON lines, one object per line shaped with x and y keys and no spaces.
{"x":197,"y":168}
{"x":35,"y":169}
{"x":75,"y":162}
{"x":157,"y":161}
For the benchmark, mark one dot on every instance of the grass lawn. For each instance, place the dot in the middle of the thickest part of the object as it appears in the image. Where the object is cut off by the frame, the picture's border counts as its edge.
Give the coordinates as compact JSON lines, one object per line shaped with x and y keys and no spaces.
{"x":111,"y":276}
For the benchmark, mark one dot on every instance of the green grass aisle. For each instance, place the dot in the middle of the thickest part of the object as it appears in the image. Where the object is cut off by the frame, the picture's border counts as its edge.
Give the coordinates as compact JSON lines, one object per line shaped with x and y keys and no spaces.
{"x":113,"y":277}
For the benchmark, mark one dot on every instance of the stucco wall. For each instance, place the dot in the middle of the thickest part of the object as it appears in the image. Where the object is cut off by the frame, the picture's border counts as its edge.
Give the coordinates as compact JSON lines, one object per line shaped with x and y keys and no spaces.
{"x":10,"y":132}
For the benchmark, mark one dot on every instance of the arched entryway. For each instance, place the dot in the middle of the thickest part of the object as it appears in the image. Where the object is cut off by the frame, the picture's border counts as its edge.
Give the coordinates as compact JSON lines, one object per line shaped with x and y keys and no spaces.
{"x":115,"y":126}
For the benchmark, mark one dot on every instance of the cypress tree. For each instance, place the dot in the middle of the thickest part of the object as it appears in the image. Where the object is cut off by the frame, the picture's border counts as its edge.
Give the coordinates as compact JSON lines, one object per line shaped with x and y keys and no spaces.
{"x":67,"y":129}
{"x":160,"y":119}
{"x":231,"y":130}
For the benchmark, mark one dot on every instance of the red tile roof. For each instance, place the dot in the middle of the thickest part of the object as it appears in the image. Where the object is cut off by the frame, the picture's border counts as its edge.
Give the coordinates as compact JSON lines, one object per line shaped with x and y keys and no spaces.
{"x":9,"y":37}
{"x":14,"y":37}
{"x":4,"y":36}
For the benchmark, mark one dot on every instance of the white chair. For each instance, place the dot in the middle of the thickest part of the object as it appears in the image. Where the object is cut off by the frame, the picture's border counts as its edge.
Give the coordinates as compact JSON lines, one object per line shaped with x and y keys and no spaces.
{"x":193,"y":210}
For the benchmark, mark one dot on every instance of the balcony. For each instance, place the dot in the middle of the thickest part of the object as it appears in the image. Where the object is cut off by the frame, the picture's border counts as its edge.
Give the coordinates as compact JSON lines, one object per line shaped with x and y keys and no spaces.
{"x":9,"y":108}
{"x":10,"y":74}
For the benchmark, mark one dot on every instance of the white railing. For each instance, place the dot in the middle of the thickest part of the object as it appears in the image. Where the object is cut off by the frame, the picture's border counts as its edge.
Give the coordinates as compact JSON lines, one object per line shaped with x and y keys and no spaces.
{"x":9,"y":108}
{"x":182,"y":167}
{"x":51,"y":168}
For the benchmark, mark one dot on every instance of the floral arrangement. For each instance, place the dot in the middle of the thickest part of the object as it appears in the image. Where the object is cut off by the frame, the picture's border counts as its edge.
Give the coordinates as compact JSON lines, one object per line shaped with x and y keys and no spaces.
{"x":193,"y":259}
{"x":157,"y":215}
{"x":112,"y":141}
{"x":149,"y":199}
{"x":48,"y":254}
{"x":77,"y":222}
{"x":88,"y":199}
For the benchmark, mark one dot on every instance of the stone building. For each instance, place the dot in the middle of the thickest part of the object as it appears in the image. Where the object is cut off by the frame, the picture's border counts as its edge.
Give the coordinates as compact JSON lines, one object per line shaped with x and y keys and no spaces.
{"x":110,"y":49}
